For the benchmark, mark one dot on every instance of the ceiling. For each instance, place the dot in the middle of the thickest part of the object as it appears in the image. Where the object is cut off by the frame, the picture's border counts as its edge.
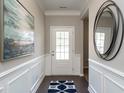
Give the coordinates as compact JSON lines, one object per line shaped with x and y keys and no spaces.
{"x":51,"y":5}
{"x":64,"y":4}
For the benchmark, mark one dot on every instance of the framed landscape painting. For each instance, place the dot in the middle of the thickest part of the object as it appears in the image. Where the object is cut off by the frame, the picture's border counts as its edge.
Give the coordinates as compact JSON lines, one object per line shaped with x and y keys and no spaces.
{"x":17,"y":34}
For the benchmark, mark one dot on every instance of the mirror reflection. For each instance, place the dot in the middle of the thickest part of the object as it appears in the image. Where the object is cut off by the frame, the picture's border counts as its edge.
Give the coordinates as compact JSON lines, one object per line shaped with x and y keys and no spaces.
{"x":104,"y":32}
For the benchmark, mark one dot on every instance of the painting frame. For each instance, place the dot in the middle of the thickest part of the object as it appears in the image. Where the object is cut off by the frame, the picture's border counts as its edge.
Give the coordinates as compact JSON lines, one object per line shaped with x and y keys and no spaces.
{"x":2,"y":32}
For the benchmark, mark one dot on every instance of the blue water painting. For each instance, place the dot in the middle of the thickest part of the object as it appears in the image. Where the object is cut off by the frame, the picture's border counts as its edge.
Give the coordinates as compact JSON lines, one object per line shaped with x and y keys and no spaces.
{"x":18,"y":30}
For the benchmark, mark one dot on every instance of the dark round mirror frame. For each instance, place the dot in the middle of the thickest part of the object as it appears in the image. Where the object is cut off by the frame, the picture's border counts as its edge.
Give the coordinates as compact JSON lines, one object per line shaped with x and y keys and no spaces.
{"x":104,"y":6}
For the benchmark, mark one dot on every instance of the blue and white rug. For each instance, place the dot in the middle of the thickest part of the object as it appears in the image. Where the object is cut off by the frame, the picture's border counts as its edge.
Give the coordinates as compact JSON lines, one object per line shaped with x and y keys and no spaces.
{"x":62,"y":87}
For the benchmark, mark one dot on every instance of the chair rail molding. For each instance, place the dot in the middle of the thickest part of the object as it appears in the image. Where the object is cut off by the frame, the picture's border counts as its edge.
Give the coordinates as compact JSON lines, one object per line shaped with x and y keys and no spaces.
{"x":104,"y":79}
{"x":18,"y":67}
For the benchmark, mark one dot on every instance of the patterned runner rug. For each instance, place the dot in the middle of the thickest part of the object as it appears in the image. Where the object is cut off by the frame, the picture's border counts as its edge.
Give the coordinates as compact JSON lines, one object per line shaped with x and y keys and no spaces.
{"x":62,"y":87}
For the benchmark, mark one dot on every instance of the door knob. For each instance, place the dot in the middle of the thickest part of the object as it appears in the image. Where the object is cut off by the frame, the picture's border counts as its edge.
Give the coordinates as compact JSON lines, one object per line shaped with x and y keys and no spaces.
{"x":52,"y":53}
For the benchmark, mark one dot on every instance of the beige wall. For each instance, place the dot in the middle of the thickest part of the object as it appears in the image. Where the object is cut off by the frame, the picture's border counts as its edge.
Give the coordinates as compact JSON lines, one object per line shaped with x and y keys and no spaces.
{"x":64,"y":21}
{"x":39,"y":36}
{"x":116,"y":63}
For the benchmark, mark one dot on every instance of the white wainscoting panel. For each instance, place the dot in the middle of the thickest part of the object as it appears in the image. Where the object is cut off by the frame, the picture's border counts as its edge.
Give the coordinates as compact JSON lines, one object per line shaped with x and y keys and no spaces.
{"x":95,"y":79}
{"x":111,"y":86}
{"x":91,"y":89}
{"x":35,"y":71}
{"x":37,"y":74}
{"x":24,"y":78}
{"x":1,"y":89}
{"x":103,"y":79}
{"x":19,"y":84}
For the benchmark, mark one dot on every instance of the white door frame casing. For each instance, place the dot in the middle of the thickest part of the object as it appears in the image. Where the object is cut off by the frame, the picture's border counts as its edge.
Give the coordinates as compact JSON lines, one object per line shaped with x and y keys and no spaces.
{"x":73,"y":42}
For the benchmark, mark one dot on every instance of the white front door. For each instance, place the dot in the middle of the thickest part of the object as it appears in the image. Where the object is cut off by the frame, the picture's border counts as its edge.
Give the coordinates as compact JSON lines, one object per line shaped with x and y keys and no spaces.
{"x":61,"y":49}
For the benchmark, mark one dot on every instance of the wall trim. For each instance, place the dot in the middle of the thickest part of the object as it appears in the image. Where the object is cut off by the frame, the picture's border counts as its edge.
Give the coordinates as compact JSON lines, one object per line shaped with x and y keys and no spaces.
{"x":37,"y":83}
{"x":14,"y":79}
{"x":17,"y":74}
{"x":62,"y":13}
{"x":115,"y":71}
{"x":18,"y":67}
{"x":114,"y":82}
{"x":84,"y":12}
{"x":100,"y":72}
{"x":35,"y":65}
{"x":101,"y":77}
{"x":91,"y":89}
{"x":1,"y":89}
{"x":109,"y":76}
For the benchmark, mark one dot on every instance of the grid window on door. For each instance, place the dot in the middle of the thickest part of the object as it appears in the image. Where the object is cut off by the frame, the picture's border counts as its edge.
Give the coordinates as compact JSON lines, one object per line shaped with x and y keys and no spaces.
{"x":62,"y":45}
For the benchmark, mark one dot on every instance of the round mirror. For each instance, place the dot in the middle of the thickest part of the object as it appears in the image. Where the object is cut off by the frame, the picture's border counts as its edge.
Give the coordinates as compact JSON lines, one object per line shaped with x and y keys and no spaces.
{"x":104,"y":32}
{"x":108,"y":30}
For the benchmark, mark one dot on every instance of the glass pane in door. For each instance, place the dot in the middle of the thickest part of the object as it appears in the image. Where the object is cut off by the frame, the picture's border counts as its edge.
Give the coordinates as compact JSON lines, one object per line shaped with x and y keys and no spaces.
{"x":62,"y":45}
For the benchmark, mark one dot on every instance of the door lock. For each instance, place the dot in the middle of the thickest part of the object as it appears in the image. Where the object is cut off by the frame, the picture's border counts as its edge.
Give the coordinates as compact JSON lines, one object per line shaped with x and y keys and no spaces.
{"x":52,"y":53}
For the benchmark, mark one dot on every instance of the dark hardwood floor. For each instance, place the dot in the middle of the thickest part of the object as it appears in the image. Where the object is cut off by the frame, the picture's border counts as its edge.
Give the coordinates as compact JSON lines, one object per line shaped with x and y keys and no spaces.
{"x":80,"y":82}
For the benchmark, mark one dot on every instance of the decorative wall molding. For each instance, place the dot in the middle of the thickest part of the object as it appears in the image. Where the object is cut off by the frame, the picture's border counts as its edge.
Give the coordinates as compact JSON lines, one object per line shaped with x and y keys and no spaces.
{"x":117,"y":72}
{"x":1,"y":89}
{"x":62,"y":13}
{"x":97,"y":77}
{"x":15,"y":83}
{"x":19,"y":76}
{"x":27,"y":76}
{"x":114,"y":82}
{"x":96,"y":70}
{"x":84,"y":8}
{"x":37,"y":83}
{"x":111,"y":81}
{"x":36,"y":70}
{"x":91,"y":89}
{"x":35,"y":65}
{"x":18,"y":67}
{"x":84,"y":12}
